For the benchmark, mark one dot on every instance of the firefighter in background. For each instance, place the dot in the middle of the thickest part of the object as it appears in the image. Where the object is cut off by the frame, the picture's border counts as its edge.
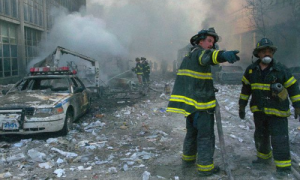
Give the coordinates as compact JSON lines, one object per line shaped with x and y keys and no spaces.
{"x":138,"y":69}
{"x":193,"y":95}
{"x":146,"y":72}
{"x":269,"y":84}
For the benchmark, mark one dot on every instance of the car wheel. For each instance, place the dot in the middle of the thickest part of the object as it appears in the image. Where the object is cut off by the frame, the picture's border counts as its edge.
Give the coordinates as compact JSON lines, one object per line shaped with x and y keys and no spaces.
{"x":89,"y":106}
{"x":68,"y":124}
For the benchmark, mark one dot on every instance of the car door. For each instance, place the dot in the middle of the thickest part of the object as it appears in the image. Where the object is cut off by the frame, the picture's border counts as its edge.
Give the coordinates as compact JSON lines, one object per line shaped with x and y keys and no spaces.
{"x":85,"y":95}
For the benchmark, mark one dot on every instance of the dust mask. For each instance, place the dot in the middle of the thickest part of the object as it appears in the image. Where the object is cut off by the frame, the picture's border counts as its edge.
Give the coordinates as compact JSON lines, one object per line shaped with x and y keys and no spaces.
{"x":266,"y":60}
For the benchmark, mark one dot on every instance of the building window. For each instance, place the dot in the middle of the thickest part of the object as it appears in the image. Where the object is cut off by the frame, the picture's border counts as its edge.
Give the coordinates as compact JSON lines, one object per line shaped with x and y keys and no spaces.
{"x":1,"y":68}
{"x":7,"y":67}
{"x":14,"y":8}
{"x":33,"y":12}
{"x":4,"y":33}
{"x":9,"y":8}
{"x":25,"y":11}
{"x":8,"y":50}
{"x":1,"y":6}
{"x":1,"y":63}
{"x":32,"y":39}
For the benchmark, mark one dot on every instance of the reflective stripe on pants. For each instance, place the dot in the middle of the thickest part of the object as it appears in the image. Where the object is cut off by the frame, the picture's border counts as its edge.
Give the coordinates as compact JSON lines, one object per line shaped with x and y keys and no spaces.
{"x":200,"y":139}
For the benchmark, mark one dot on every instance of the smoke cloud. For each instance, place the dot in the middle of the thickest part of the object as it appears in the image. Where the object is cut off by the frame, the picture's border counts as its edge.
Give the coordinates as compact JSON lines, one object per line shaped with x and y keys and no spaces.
{"x":84,"y":34}
{"x":158,"y":29}
{"x":128,"y":29}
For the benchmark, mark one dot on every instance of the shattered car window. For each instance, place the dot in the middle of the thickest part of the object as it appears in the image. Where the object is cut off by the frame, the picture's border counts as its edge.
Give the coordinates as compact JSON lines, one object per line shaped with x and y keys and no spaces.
{"x":48,"y":84}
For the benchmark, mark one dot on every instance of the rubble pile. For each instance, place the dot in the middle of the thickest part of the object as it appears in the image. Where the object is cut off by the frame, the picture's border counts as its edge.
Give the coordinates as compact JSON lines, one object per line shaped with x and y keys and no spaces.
{"x":129,"y":140}
{"x":100,"y":143}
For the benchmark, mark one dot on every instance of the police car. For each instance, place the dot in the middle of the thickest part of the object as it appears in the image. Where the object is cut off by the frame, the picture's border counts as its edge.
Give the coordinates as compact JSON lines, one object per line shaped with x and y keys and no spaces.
{"x":48,"y":100}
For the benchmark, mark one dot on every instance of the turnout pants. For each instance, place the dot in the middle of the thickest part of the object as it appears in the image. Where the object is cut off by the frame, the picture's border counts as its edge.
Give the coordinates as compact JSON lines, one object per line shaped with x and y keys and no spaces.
{"x":146,"y":79}
{"x":139,"y":76}
{"x":272,"y":131}
{"x":199,"y":142}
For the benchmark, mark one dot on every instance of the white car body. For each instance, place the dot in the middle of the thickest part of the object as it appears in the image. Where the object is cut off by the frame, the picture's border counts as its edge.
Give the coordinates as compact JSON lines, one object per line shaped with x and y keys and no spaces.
{"x":28,"y":111}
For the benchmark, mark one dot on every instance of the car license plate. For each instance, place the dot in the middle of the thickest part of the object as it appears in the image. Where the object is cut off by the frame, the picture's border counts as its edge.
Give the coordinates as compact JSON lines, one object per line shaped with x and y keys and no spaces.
{"x":10,"y":126}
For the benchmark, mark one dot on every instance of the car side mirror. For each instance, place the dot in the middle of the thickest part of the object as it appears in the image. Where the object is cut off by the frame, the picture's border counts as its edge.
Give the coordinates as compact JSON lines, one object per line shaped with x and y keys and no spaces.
{"x":78,"y":89}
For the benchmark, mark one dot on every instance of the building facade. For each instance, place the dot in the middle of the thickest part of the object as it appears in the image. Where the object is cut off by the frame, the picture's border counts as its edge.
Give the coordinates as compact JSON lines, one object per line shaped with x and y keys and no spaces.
{"x":277,"y":20}
{"x":22,"y":23}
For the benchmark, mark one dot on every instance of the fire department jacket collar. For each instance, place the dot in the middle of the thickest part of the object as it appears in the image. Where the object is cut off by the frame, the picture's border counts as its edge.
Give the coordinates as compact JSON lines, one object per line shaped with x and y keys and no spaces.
{"x":274,"y":65}
{"x":196,"y":47}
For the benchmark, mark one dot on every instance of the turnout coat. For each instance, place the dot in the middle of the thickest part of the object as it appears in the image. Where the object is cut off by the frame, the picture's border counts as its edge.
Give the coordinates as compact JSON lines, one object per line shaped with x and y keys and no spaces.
{"x":193,"y":89}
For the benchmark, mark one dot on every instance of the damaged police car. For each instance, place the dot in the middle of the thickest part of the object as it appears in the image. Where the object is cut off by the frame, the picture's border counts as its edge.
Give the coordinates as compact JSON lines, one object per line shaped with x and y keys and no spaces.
{"x":48,"y":100}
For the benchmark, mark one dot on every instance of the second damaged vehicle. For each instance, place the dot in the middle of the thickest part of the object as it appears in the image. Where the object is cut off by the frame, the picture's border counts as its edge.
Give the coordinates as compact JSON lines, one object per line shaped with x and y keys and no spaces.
{"x":229,"y":75}
{"x":48,"y":100}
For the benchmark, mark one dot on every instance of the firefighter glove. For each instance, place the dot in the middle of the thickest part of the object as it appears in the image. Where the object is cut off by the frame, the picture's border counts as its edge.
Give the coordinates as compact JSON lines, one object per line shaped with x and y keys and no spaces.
{"x":230,"y":56}
{"x":242,"y":112}
{"x":133,"y":69}
{"x":297,"y":113}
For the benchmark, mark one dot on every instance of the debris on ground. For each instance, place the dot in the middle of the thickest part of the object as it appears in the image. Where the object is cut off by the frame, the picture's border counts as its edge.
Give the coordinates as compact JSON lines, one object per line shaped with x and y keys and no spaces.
{"x":135,"y":139}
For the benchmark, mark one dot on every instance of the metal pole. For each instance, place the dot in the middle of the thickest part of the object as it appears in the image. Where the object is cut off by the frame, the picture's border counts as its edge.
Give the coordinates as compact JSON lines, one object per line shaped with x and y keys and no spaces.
{"x":222,"y":142}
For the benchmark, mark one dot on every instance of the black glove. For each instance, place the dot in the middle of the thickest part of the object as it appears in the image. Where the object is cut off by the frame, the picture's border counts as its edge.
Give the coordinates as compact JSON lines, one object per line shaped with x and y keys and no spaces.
{"x":242,"y":112}
{"x":230,"y":56}
{"x":133,"y":69}
{"x":297,"y":113}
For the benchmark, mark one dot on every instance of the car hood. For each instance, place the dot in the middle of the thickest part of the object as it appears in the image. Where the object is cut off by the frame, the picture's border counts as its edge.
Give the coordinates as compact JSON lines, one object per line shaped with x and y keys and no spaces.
{"x":32,"y":99}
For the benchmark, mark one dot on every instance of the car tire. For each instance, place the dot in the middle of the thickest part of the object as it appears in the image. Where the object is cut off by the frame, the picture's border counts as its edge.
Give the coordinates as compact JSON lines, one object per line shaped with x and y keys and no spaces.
{"x":89,"y":106}
{"x":68,"y":124}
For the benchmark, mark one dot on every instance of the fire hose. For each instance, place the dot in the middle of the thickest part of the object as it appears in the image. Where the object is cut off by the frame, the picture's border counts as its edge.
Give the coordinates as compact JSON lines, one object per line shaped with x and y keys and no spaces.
{"x":222,"y":142}
{"x":117,"y":75}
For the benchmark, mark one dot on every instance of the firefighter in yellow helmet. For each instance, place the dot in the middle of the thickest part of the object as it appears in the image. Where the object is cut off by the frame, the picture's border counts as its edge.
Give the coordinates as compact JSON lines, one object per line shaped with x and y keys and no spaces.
{"x":193,"y":95}
{"x":269,"y":84}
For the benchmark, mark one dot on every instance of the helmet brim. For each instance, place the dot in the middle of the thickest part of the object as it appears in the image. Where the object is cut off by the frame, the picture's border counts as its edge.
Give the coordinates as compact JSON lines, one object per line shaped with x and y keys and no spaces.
{"x":196,"y":38}
{"x":256,"y":50}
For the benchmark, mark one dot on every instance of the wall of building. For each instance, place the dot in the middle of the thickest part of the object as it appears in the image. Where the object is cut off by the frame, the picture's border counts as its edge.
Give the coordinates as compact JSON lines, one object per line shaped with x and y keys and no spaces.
{"x":280,"y":25}
{"x":22,"y":23}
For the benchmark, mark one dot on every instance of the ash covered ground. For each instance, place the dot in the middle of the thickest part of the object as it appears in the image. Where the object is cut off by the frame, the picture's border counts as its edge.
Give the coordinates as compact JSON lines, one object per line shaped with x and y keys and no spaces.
{"x":136,"y":139}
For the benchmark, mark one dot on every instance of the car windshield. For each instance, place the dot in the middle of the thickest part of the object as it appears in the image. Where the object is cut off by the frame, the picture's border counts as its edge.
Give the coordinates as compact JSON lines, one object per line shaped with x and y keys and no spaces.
{"x":60,"y":85}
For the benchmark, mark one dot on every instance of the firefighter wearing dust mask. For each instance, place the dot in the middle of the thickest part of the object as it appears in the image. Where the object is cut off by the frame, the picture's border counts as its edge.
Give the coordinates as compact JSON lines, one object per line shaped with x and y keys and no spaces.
{"x":193,"y":95}
{"x":269,"y":84}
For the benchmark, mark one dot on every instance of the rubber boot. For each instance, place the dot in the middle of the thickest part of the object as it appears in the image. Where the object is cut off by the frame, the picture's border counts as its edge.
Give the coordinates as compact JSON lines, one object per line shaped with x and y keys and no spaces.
{"x":188,"y":164}
{"x":283,"y":173}
{"x":187,"y":167}
{"x":209,"y":173}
